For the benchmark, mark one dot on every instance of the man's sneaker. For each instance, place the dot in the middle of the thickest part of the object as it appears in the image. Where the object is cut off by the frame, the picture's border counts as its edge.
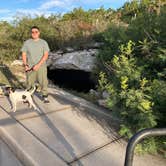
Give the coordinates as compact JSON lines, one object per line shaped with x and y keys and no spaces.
{"x":45,"y":99}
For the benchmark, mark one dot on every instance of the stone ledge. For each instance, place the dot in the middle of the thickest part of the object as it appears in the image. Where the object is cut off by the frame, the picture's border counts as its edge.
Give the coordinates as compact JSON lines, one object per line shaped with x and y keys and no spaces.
{"x":78,"y":101}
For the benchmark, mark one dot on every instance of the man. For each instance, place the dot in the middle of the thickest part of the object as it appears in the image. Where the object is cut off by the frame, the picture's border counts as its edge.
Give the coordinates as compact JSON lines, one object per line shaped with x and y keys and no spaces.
{"x":34,"y":56}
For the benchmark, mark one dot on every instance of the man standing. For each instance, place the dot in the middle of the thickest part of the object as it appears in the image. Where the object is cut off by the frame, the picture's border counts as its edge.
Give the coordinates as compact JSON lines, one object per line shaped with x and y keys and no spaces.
{"x":34,"y":56}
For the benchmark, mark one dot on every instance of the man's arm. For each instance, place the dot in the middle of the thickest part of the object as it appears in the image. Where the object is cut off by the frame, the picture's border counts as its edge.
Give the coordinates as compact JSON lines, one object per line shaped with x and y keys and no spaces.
{"x":43,"y":59}
{"x":24,"y":59}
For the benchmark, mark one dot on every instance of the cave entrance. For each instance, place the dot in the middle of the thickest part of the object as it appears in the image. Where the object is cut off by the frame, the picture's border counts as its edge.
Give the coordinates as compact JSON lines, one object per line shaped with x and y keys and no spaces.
{"x":77,"y":80}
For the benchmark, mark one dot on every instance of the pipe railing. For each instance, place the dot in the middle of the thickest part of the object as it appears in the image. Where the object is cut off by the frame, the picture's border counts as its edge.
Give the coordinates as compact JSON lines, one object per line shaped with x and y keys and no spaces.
{"x":137,"y":138}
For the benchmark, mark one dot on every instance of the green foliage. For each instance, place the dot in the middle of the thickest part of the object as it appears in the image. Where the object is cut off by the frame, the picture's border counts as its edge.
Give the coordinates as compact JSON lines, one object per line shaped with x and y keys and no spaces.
{"x":132,"y":97}
{"x":158,"y":91}
{"x":148,"y":145}
{"x":112,"y":38}
{"x":103,"y":81}
{"x":77,"y":14}
{"x":131,"y":10}
{"x":7,"y":44}
{"x":134,"y":73}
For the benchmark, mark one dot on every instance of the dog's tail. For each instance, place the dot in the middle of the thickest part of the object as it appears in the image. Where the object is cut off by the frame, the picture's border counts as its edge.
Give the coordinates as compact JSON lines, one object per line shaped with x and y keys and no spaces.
{"x":33,"y":90}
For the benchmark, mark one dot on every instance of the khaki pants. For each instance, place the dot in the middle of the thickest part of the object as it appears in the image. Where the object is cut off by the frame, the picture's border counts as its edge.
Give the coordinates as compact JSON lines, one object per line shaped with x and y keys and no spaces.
{"x":39,"y":76}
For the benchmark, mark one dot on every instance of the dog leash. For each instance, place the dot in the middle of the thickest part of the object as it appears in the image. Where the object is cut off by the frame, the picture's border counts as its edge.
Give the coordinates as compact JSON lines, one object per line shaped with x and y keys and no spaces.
{"x":31,"y":69}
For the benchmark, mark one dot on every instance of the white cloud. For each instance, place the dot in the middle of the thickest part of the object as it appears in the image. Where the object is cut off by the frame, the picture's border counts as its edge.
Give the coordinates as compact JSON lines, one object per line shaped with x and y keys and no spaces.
{"x":51,"y":4}
{"x":8,"y":19}
{"x":68,"y":5}
{"x":47,"y":7}
{"x":6,"y":15}
{"x":64,"y":5}
{"x":28,"y":11}
{"x":3,"y":11}
{"x":32,"y":13}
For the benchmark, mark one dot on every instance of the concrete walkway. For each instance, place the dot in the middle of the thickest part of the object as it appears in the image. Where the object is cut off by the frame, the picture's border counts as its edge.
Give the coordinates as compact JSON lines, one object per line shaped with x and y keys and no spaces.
{"x":67,"y":131}
{"x":7,"y":158}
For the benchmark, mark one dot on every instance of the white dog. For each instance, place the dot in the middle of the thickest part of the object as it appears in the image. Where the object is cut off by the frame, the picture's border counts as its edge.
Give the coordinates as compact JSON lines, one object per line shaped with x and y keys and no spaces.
{"x":18,"y":95}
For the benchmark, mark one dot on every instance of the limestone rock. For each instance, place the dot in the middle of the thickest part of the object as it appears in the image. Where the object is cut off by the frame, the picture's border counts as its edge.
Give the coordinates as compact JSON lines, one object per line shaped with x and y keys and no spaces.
{"x":77,"y":60}
{"x":105,"y":94}
{"x":103,"y":102}
{"x":17,"y":62}
{"x":94,"y":93}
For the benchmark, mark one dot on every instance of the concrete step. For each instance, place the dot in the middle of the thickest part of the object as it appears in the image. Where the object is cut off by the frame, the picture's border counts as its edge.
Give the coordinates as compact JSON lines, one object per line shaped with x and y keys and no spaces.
{"x":7,"y":158}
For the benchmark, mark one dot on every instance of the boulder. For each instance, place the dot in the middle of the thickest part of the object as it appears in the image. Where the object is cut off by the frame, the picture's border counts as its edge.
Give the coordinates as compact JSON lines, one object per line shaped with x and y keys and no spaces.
{"x":77,"y":60}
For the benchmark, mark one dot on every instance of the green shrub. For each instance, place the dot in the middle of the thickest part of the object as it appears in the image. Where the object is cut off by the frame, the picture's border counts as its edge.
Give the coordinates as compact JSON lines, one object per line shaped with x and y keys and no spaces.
{"x":138,"y":102}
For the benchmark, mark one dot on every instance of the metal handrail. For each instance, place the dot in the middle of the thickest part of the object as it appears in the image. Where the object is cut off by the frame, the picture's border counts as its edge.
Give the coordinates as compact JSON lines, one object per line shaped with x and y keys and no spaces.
{"x":137,"y":138}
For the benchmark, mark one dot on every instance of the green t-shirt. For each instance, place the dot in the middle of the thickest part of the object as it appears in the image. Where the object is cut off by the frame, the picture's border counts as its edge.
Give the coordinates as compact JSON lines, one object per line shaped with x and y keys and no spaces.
{"x":35,"y":50}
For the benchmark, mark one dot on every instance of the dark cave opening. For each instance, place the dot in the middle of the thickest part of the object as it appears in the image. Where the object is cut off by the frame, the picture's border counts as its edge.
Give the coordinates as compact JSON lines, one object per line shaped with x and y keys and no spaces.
{"x":76,"y":80}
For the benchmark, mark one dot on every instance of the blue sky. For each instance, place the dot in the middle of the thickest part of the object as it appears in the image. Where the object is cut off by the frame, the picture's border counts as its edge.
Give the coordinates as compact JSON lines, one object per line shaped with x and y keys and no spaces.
{"x":11,"y":8}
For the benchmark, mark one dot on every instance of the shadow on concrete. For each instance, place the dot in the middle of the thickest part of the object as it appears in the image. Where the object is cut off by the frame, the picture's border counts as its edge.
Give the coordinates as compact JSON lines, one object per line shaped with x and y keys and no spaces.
{"x":6,"y":121}
{"x":59,"y":136}
{"x":109,"y":124}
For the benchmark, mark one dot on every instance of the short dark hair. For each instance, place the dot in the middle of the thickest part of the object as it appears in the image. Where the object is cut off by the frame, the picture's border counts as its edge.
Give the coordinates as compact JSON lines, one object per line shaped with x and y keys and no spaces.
{"x":35,"y":27}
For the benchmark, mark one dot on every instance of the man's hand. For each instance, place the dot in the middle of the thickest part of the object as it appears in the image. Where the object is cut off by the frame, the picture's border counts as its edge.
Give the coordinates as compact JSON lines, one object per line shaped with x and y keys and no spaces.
{"x":27,"y":68}
{"x":36,"y":67}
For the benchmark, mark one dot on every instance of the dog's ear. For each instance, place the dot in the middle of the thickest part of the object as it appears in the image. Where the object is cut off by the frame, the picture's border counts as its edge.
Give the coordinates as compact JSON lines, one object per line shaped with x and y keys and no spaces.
{"x":6,"y":91}
{"x":9,"y":89}
{"x":12,"y":89}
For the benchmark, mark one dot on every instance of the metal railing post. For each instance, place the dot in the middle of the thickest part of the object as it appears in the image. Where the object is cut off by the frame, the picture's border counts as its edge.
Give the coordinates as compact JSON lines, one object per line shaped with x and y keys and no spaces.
{"x":137,"y":138}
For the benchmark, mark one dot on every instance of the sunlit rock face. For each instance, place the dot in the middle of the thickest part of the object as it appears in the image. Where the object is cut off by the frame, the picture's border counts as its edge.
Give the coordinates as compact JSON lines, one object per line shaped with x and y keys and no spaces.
{"x":76,"y":60}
